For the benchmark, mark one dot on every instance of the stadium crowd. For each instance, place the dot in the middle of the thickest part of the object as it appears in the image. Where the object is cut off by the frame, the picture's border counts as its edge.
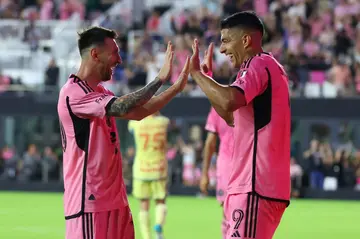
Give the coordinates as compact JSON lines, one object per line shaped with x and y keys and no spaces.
{"x":317,"y":41}
{"x":51,"y":9}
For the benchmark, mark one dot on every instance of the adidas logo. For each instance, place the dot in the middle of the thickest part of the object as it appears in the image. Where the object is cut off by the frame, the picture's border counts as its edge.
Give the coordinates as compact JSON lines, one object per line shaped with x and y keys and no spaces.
{"x":92,"y":197}
{"x":236,"y":234}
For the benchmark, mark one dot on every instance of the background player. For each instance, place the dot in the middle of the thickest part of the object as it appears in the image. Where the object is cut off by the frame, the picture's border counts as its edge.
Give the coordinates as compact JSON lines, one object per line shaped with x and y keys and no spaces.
{"x":95,"y":199}
{"x":150,"y":169}
{"x":217,"y":129}
{"x":259,"y":183}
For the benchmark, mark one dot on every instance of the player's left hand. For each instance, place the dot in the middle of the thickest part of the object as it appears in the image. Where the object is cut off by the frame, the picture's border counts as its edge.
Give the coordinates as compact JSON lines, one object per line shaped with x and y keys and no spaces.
{"x":165,"y":71}
{"x":195,"y":59}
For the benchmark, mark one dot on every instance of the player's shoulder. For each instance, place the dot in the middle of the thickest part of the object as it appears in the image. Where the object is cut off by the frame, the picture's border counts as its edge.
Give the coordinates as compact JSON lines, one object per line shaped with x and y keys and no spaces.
{"x":75,"y":87}
{"x":263,"y":59}
{"x":105,"y":90}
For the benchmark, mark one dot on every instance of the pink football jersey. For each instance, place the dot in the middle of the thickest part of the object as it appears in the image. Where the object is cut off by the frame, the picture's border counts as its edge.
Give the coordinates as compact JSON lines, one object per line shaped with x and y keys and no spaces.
{"x":261,"y":159}
{"x":217,"y":125}
{"x":91,"y":156}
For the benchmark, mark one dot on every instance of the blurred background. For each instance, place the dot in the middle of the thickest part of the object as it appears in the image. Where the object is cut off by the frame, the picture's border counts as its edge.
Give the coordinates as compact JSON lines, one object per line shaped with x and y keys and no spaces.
{"x":318,"y":42}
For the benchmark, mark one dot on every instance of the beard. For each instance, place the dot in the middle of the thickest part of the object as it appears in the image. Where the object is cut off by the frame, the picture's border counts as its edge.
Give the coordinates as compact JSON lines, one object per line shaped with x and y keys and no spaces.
{"x":106,"y":74}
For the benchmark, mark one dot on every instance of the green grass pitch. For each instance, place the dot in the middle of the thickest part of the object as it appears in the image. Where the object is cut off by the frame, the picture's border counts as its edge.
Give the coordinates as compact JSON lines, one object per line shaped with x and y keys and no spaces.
{"x":40,"y":216}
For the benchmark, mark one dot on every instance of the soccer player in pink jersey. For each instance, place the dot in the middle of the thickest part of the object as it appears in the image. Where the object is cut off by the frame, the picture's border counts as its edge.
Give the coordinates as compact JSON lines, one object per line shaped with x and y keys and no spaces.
{"x":259,"y":185}
{"x":95,"y":200}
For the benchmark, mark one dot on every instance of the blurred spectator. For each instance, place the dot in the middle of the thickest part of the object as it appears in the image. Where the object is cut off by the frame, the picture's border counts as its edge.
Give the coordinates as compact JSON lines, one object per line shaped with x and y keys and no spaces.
{"x":331,"y":169}
{"x":47,"y":8}
{"x":51,"y":76}
{"x":10,"y":160}
{"x":49,"y":163}
{"x":32,"y":36}
{"x":340,"y":76}
{"x":5,"y":82}
{"x":8,"y":9}
{"x":315,"y":160}
{"x":180,"y":54}
{"x":346,"y":177}
{"x":68,"y":8}
{"x":152,"y":25}
{"x":29,"y":167}
{"x":136,"y":72}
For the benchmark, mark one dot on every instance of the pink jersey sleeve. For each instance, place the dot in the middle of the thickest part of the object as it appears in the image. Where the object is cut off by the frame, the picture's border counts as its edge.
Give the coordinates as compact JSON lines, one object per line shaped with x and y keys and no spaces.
{"x":211,"y":122}
{"x":252,"y":79}
{"x":92,"y":104}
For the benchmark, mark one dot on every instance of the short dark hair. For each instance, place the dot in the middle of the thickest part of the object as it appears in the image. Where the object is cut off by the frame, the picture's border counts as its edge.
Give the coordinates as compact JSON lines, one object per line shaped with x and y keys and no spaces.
{"x":246,"y":19}
{"x":94,"y":36}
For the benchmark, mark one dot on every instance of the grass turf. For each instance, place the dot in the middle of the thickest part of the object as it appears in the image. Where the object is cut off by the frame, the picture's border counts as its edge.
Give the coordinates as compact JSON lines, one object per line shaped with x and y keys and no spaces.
{"x":40,"y":216}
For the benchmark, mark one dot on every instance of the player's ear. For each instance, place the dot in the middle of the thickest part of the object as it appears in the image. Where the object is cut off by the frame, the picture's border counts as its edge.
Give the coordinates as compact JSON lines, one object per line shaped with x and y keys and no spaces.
{"x":246,"y":40}
{"x":94,"y":53}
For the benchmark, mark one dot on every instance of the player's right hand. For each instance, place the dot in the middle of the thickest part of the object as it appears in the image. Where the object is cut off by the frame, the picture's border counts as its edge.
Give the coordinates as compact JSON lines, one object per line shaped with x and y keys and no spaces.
{"x":204,"y":183}
{"x":165,"y":71}
{"x":184,"y":75}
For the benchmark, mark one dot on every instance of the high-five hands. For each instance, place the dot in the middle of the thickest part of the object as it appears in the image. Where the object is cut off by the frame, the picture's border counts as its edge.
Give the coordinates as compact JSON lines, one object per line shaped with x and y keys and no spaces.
{"x":207,"y":64}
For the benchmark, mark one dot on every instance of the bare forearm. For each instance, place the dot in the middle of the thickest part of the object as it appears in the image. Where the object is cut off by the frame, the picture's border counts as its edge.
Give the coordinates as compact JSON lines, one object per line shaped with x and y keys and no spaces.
{"x":123,"y":105}
{"x":153,"y":105}
{"x":158,"y":102}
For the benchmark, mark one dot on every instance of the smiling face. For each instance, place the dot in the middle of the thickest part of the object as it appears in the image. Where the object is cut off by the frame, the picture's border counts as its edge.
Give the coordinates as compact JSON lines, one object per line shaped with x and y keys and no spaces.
{"x":108,"y":59}
{"x":234,"y":43}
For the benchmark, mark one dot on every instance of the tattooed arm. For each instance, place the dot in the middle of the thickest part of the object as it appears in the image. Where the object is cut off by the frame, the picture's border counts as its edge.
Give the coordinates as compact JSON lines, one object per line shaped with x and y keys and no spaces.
{"x":158,"y":102}
{"x":123,"y":105}
{"x":154,"y":104}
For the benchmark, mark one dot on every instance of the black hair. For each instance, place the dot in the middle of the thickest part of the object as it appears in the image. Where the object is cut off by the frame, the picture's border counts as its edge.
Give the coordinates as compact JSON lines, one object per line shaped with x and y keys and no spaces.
{"x":247,"y":19}
{"x":94,"y":36}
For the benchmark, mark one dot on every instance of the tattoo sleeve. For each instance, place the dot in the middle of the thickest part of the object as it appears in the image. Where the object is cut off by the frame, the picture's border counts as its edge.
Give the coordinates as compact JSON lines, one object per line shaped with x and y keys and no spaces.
{"x":123,"y":105}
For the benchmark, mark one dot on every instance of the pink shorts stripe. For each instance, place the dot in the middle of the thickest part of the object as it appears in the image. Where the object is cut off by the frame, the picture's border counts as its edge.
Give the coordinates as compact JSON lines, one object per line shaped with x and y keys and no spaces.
{"x":251,"y":216}
{"x":116,"y":224}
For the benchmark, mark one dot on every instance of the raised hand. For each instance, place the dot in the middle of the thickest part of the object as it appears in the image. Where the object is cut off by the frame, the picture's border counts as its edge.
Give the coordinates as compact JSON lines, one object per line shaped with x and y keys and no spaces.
{"x":195,"y":59}
{"x":165,"y":71}
{"x":207,"y":64}
{"x":183,"y":77}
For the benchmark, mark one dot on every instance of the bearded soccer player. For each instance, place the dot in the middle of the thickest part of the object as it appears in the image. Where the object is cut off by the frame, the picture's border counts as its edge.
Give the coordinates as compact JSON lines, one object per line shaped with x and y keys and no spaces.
{"x":217,"y":129}
{"x":150,"y":170}
{"x":95,"y":200}
{"x":259,"y":184}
